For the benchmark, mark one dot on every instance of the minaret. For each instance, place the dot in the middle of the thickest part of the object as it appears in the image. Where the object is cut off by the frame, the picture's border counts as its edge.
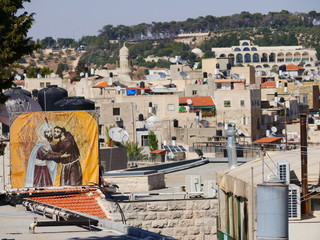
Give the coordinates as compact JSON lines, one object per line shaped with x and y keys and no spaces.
{"x":124,"y":69}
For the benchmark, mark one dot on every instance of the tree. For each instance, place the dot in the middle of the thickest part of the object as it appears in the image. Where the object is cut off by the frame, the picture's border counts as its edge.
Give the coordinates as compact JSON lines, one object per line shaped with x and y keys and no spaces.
{"x":134,"y":152}
{"x":14,"y":42}
{"x":153,"y":141}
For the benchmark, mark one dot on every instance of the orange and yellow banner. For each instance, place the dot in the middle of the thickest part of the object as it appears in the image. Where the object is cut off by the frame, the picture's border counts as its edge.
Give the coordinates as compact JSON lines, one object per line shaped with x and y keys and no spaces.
{"x":54,"y":149}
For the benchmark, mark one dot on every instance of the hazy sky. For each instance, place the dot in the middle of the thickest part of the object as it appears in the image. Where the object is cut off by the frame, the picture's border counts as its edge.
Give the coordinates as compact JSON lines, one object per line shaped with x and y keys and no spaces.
{"x":77,"y":18}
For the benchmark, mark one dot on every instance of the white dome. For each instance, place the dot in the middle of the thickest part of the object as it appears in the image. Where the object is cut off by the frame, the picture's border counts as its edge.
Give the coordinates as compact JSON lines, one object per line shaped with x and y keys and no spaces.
{"x":197,"y":51}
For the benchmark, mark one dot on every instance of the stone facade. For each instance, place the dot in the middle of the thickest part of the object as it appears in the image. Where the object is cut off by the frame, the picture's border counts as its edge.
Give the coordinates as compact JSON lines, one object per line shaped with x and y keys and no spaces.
{"x":180,"y":219}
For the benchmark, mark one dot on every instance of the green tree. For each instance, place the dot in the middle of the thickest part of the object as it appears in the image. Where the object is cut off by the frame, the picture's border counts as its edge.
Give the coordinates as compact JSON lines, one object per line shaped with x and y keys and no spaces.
{"x":153,"y":141}
{"x":13,"y":41}
{"x":134,"y":152}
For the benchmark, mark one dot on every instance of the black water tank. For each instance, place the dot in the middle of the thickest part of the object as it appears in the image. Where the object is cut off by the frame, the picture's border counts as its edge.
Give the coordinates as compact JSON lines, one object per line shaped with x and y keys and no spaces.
{"x":142,"y":85}
{"x":205,"y":75}
{"x":219,"y":133}
{"x":111,"y":74}
{"x":229,"y":66}
{"x":17,"y":90}
{"x":217,"y":66}
{"x":173,"y":138}
{"x":35,"y":93}
{"x":175,"y":123}
{"x":74,"y":103}
{"x":49,"y":95}
{"x":140,"y":117}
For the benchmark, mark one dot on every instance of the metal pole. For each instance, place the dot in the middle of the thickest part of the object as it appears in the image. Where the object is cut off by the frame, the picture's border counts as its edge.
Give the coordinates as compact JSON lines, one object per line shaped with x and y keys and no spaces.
{"x":252,"y":204}
{"x":262,"y":158}
{"x":285,"y":125}
{"x":304,"y":163}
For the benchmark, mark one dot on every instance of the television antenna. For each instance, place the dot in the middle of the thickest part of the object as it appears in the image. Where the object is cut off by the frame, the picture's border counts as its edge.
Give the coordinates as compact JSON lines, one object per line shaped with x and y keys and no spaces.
{"x":274,"y":129}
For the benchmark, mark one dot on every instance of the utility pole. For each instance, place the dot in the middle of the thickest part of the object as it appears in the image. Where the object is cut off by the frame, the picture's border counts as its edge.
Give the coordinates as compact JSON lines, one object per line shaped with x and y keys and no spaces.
{"x":304,"y":163}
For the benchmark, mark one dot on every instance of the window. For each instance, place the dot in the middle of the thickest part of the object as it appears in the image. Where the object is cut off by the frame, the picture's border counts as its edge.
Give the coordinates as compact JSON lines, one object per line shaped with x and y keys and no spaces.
{"x":156,"y":106}
{"x":242,"y":103}
{"x":42,"y":84}
{"x":218,"y":85}
{"x":100,"y":128}
{"x":194,"y":92}
{"x":48,"y":84}
{"x":171,"y":107}
{"x":227,"y":103}
{"x":145,"y":140}
{"x":116,"y":111}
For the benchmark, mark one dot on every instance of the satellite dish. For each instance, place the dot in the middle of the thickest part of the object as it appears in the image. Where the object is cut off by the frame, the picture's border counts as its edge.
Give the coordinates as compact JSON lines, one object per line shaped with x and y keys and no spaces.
{"x":52,"y":75}
{"x":184,"y":74}
{"x":220,"y":124}
{"x":274,"y":129}
{"x":162,"y":75}
{"x":283,"y":131}
{"x":173,"y":60}
{"x":119,"y":135}
{"x":236,"y":76}
{"x":118,"y":88}
{"x":18,"y":77}
{"x":189,"y":101}
{"x":204,"y":123}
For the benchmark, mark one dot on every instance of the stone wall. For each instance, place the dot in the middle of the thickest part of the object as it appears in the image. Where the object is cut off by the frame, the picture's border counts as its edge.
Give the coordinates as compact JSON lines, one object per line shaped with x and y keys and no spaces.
{"x":181,"y":219}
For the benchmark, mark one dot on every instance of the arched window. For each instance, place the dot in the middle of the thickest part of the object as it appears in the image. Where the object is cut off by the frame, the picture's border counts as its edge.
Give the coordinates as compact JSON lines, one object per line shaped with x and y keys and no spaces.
{"x":297,"y":57}
{"x":222,"y":55}
{"x":247,"y":58}
{"x":246,"y":49}
{"x":280,"y":57}
{"x":266,"y":66}
{"x":264,"y":57}
{"x":255,"y":57}
{"x":305,"y":57}
{"x":308,"y":65}
{"x":237,"y":49}
{"x":272,"y":57}
{"x":239,"y":58}
{"x":258,"y":66}
{"x":245,"y":44}
{"x":288,"y":57}
{"x":231,"y":55}
{"x":253,"y":49}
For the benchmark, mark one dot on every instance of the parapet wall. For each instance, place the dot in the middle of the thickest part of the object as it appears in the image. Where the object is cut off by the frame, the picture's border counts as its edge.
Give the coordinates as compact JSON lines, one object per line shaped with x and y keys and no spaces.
{"x":181,"y":219}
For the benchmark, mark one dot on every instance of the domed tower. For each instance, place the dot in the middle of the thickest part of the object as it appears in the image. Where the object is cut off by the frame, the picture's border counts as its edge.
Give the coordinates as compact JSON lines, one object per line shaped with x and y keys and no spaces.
{"x":124,"y":69}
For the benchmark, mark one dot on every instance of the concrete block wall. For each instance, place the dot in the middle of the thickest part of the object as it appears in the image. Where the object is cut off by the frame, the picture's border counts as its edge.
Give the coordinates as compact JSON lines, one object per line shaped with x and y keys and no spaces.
{"x":181,"y":219}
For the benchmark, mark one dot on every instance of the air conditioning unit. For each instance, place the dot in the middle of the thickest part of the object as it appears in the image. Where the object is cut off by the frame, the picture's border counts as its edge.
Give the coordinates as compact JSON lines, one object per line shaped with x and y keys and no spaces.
{"x":193,"y":183}
{"x":117,"y":118}
{"x":284,"y":171}
{"x":210,"y":189}
{"x":294,"y":202}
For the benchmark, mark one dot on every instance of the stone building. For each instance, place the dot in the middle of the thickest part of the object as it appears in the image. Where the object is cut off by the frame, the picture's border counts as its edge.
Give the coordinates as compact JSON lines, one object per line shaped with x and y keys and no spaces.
{"x":266,"y":58}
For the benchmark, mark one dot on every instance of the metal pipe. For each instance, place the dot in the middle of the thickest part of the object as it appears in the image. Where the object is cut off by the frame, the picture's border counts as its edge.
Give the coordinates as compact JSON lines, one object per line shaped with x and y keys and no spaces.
{"x":231,"y":148}
{"x":304,"y":163}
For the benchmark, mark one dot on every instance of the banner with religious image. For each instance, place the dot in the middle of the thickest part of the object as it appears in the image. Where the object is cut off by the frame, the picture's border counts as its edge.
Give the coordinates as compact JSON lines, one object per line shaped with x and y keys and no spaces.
{"x":54,"y":149}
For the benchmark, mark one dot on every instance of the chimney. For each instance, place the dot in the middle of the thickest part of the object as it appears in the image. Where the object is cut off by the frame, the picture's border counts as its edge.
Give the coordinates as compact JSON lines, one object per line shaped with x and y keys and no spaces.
{"x":231,"y":148}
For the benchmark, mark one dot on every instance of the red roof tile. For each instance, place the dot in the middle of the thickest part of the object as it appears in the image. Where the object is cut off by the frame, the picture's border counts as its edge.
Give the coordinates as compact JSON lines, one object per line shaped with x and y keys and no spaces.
{"x":198,"y":101}
{"x":293,"y":67}
{"x":101,"y":85}
{"x":159,"y":151}
{"x":85,"y":201}
{"x":268,"y":84}
{"x":268,"y":140}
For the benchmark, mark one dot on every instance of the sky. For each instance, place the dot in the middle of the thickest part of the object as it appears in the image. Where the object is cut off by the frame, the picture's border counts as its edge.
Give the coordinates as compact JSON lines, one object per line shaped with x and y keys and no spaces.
{"x":77,"y":18}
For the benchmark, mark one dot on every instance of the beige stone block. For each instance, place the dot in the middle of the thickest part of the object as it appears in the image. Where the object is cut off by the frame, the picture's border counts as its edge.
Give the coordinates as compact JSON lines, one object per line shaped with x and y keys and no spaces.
{"x":139,"y":207}
{"x":166,"y":231}
{"x":180,"y":231}
{"x":177,"y":205}
{"x":164,"y":215}
{"x":157,"y":206}
{"x":159,"y":223}
{"x":151,"y":216}
{"x":193,"y":231}
{"x":188,"y":214}
{"x":146,"y":225}
{"x":176,"y":215}
{"x":186,"y":222}
{"x":190,"y":204}
{"x":173,"y":223}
